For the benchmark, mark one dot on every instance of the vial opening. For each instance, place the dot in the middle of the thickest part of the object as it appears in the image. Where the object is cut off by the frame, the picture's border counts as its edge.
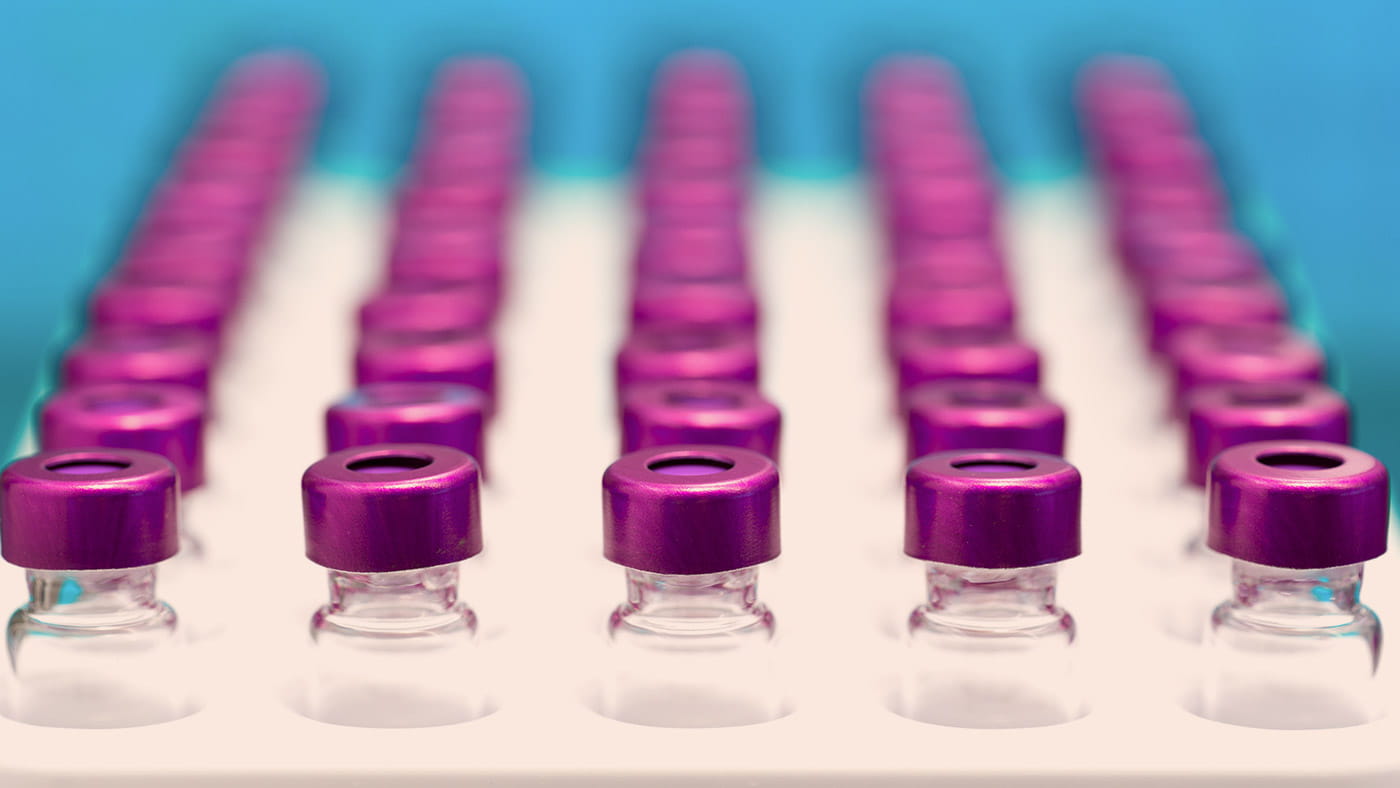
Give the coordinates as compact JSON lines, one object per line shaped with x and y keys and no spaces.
{"x":689,"y":466}
{"x":128,"y":402}
{"x":392,"y":463}
{"x":988,"y":396}
{"x":1298,"y":461}
{"x":87,"y":466}
{"x":710,"y":401}
{"x":994,"y":465}
{"x":1266,"y":398}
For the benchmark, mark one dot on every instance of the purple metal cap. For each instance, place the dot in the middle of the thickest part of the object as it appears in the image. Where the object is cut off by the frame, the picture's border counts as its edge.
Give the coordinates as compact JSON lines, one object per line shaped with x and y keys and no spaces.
{"x":928,"y":354}
{"x":1167,"y":251}
{"x":660,"y":302}
{"x":1228,"y":414}
{"x":943,"y":206}
{"x":700,"y":91}
{"x":695,"y":154}
{"x":983,"y":414}
{"x":462,"y":251}
{"x":201,"y":252}
{"x":238,"y":202}
{"x":205,"y":157}
{"x":136,"y":356}
{"x":693,"y":198}
{"x":918,"y":88}
{"x":1160,"y":156}
{"x":77,"y":509}
{"x":161,"y":419}
{"x":391,"y":508}
{"x":429,"y":306}
{"x":1172,"y":308}
{"x":982,"y":304}
{"x":463,"y":356}
{"x":1298,"y":504}
{"x":120,"y":304}
{"x":452,"y":156}
{"x":712,"y":412}
{"x":991,"y":509}
{"x":916,"y":253}
{"x":667,"y":352}
{"x":1260,"y":352}
{"x":472,"y":201}
{"x":928,"y":150}
{"x":690,"y":510}
{"x":692,"y":251}
{"x":442,"y":414}
{"x":478,"y":91}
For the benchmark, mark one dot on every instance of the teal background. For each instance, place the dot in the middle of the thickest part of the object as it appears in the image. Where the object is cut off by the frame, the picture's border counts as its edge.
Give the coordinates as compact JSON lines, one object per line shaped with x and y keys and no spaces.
{"x":1302,"y":98}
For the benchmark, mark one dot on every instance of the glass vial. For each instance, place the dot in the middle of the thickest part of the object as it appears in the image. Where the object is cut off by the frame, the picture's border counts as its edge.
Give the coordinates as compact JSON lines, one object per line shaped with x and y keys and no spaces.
{"x":990,"y":648}
{"x":94,"y":647}
{"x":1293,"y":647}
{"x":395,"y":646}
{"x":1220,"y":416}
{"x":692,"y":647}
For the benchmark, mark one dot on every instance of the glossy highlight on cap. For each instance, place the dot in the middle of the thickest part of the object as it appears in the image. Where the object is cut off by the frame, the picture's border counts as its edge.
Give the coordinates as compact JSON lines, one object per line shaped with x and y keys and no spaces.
{"x":994,"y":509}
{"x":1298,"y":504}
{"x":88,"y":508}
{"x":392,"y":507}
{"x":691,"y":509}
{"x":1222,"y":415}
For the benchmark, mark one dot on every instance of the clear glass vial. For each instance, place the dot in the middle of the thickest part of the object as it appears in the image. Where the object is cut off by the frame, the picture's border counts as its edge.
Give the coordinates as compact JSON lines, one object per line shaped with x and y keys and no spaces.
{"x":1293,"y":647}
{"x":990,"y":648}
{"x":94,"y":647}
{"x":1219,"y":416}
{"x":395,"y":646}
{"x":692,"y":647}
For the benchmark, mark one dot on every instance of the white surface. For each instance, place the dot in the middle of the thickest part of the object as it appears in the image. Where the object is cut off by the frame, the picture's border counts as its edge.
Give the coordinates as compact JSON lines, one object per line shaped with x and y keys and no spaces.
{"x":543,"y":589}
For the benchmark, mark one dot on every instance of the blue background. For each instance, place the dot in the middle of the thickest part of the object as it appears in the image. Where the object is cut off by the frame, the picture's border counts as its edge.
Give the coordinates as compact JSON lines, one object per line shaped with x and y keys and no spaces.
{"x":1302,"y":98}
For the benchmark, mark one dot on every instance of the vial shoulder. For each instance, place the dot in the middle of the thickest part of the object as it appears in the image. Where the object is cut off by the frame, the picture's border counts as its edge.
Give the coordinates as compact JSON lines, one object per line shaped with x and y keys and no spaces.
{"x":1050,"y":624}
{"x":754,"y":623}
{"x":457,"y":621}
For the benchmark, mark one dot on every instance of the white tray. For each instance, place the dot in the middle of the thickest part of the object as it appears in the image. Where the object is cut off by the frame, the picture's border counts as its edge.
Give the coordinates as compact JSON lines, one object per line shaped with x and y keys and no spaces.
{"x":543,"y":590}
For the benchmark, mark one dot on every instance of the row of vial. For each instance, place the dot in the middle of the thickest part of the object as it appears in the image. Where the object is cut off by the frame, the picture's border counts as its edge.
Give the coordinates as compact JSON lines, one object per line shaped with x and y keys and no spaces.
{"x":1292,"y":646}
{"x":691,"y":523}
{"x":158,"y":327}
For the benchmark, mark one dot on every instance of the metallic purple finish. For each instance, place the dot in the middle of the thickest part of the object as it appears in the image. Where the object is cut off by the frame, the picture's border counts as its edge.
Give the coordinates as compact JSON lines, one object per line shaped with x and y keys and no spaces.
{"x":463,"y":356}
{"x":1170,"y":309}
{"x":693,"y":154}
{"x":392,"y":507}
{"x":1228,"y":414}
{"x":122,"y":304}
{"x":455,"y":156}
{"x":700,"y":92}
{"x":687,"y":198}
{"x":942,"y":254}
{"x":940,"y":206}
{"x":712,"y":412}
{"x":1194,"y":253}
{"x":1201,"y":355}
{"x":673,"y":524}
{"x":467,"y":201}
{"x":937,"y":146}
{"x":1298,"y":504}
{"x":442,"y":414}
{"x":1160,"y":156}
{"x":122,"y":517}
{"x":996,"y":509}
{"x":239,"y":203}
{"x":668,"y":302}
{"x":687,"y":352}
{"x":461,"y":251}
{"x":161,"y":419}
{"x":943,"y":306}
{"x":140,"y":356}
{"x":479,"y":92}
{"x":983,"y":414}
{"x":996,"y":352}
{"x":429,"y":306}
{"x":670,"y":251}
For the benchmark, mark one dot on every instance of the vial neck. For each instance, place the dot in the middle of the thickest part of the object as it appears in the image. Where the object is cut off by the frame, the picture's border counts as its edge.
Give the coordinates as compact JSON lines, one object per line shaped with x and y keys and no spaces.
{"x":1301,"y":597}
{"x":993,"y":594}
{"x":403,"y":594}
{"x":697,"y":597}
{"x":91,"y":597}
